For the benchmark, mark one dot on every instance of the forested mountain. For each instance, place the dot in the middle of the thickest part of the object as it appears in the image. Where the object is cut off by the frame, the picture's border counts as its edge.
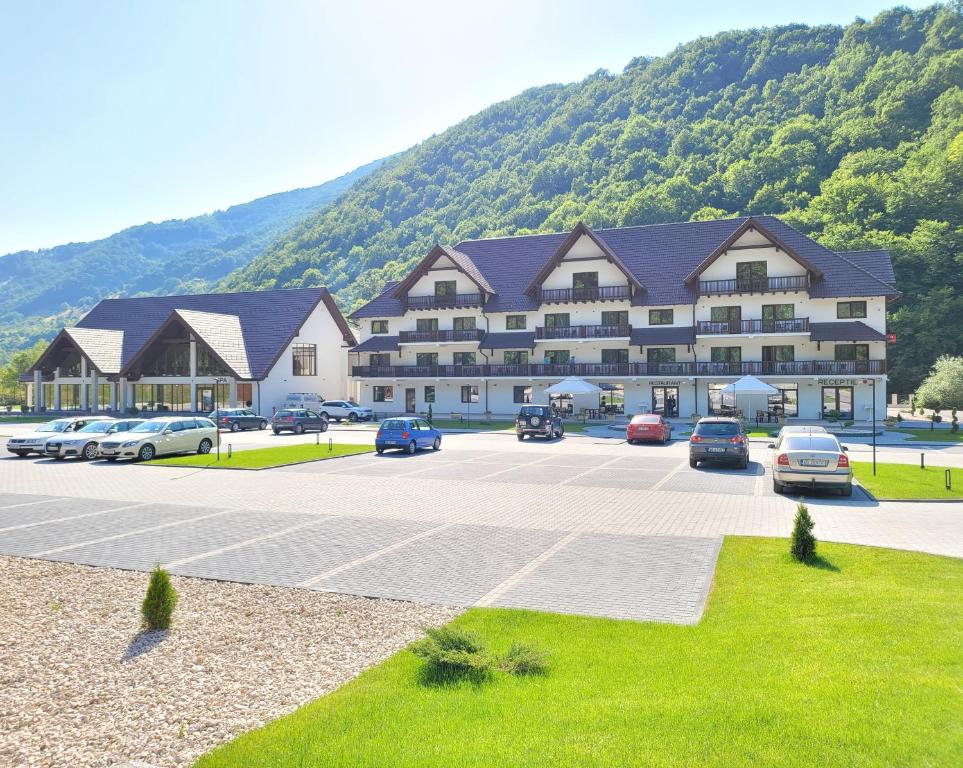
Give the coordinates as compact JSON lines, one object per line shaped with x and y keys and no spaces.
{"x":854,"y":135}
{"x":42,"y":290}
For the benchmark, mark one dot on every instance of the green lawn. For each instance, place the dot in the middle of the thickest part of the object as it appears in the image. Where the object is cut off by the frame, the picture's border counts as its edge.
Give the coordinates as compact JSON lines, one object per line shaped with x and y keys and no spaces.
{"x":934,"y":435}
{"x":908,"y":481}
{"x":260,"y":458}
{"x":854,"y":662}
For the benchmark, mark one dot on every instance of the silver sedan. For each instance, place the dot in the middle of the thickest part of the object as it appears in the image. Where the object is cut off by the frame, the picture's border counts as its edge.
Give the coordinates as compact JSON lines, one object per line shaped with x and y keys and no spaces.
{"x":811,"y":461}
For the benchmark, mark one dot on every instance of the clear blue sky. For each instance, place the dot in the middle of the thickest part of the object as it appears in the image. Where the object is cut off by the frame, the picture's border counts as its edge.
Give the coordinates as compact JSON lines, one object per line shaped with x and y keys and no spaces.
{"x":115,"y":113}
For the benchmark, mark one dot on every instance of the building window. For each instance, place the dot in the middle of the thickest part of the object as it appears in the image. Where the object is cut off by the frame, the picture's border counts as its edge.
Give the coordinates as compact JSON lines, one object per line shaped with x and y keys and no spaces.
{"x":175,"y":360}
{"x":585,"y":285}
{"x":464,"y":323}
{"x":379,"y":326}
{"x":858,"y":352}
{"x":660,"y":354}
{"x":69,"y":366}
{"x":751,"y":275}
{"x":557,"y":320}
{"x":429,"y":394}
{"x":305,"y":360}
{"x":557,"y":356}
{"x":516,"y":322}
{"x":726,"y":360}
{"x":445,"y":288}
{"x":209,"y":365}
{"x":848,"y":310}
{"x":771,"y":312}
{"x":382,"y":394}
{"x":615,"y":355}
{"x":783,"y":353}
{"x":521,"y":394}
{"x":245,"y":395}
{"x":69,"y":397}
{"x":469,"y":393}
{"x":425,"y":359}
{"x":618,"y":317}
{"x":516,"y":358}
{"x":661,"y":317}
{"x":786,"y":403}
{"x":379,"y":359}
{"x":464,"y":358}
{"x":425,"y":324}
{"x":726,"y":319}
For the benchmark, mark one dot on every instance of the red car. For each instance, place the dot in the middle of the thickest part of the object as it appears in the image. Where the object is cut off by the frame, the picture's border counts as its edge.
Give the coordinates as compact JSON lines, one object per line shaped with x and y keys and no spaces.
{"x":648,"y":426}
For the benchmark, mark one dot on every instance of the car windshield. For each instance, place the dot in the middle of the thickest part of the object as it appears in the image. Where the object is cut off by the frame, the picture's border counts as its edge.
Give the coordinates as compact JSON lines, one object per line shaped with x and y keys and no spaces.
{"x":717,"y":429}
{"x":55,"y":426}
{"x":533,"y":410}
{"x":393,"y":424}
{"x":97,"y":426}
{"x":150,"y":426}
{"x":812,"y":443}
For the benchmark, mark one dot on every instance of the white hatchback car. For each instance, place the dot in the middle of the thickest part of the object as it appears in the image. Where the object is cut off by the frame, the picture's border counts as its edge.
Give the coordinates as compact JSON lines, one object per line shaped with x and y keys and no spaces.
{"x":85,"y":442}
{"x":161,"y":437}
{"x":36,"y":441}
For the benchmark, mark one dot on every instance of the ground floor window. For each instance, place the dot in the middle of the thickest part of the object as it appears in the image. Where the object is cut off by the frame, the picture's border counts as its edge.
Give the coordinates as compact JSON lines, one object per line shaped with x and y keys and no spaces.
{"x":562,"y":404}
{"x":429,"y":394}
{"x":103,"y":396}
{"x":665,"y":401}
{"x":383,"y":394}
{"x":786,"y":403}
{"x":209,"y":396}
{"x":838,"y":402}
{"x":721,"y":403}
{"x":521,"y":394}
{"x":245,"y":395}
{"x":612,"y":398}
{"x":69,"y":398}
{"x":469,"y":393}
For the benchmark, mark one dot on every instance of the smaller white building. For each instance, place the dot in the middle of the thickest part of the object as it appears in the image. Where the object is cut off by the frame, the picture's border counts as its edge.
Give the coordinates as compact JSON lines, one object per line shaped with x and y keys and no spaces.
{"x":186,"y":354}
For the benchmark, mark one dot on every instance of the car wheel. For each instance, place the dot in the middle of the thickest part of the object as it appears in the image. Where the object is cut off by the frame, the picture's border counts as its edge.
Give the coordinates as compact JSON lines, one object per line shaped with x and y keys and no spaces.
{"x":146,"y":452}
{"x":276,"y":431}
{"x":778,"y":487}
{"x":205,"y":446}
{"x":324,"y":415}
{"x":520,"y":439}
{"x":22,"y":454}
{"x":693,"y":463}
{"x":299,"y":429}
{"x":59,"y":458}
{"x":744,"y":464}
{"x":435,"y":446}
{"x":324,"y":426}
{"x":380,"y":450}
{"x":89,"y":452}
{"x":411,"y":448}
{"x":352,"y":417}
{"x":262,"y":424}
{"x":846,"y":490}
{"x":235,"y":427}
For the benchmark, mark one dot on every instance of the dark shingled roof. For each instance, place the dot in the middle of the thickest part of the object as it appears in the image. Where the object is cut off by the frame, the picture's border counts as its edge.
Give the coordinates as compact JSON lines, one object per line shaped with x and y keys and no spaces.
{"x":508,"y":340}
{"x":662,"y":336}
{"x":268,"y":320}
{"x":660,"y":256}
{"x":878,"y":263}
{"x":378,"y":343}
{"x":844,"y":330}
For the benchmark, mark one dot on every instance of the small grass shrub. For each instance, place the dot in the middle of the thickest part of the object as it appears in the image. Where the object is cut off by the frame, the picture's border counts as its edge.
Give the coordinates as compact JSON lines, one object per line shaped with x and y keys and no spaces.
{"x":802,"y":544}
{"x":159,"y":602}
{"x":524,"y":659}
{"x":450,"y":652}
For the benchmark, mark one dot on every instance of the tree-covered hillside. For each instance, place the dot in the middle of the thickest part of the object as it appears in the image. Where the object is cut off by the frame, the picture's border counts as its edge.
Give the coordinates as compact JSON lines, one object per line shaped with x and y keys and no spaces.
{"x":854,"y":135}
{"x":42,"y":290}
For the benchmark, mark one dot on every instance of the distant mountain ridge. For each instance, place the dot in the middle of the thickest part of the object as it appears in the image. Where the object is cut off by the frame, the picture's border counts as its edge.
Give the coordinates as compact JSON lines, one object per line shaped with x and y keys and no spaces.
{"x":42,"y":290}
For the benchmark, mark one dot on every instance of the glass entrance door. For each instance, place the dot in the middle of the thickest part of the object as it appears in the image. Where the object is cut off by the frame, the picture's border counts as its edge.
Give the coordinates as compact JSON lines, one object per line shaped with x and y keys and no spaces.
{"x":410,"y":400}
{"x":205,"y":398}
{"x":838,"y":401}
{"x":665,"y":401}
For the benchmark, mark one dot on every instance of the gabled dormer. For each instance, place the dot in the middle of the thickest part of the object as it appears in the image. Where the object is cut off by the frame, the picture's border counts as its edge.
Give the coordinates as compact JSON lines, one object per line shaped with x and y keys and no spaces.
{"x":752,"y":260}
{"x":583,"y":268}
{"x":444,"y":279}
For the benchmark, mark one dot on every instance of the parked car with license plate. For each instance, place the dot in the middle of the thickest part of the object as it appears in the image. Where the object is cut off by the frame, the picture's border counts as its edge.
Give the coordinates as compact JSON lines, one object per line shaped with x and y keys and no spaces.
{"x":719,"y":440}
{"x":161,"y":437}
{"x":36,"y":441}
{"x":236,"y":419}
{"x":345,"y":409}
{"x":811,"y":461}
{"x":407,"y":435}
{"x":85,"y":442}
{"x":298,"y":421}
{"x":648,"y":426}
{"x":538,"y":421}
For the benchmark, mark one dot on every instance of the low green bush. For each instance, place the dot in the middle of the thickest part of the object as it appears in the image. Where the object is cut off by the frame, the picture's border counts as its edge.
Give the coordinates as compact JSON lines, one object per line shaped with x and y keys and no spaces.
{"x":451,"y":652}
{"x":523,"y":659}
{"x":157,"y":609}
{"x":802,"y":543}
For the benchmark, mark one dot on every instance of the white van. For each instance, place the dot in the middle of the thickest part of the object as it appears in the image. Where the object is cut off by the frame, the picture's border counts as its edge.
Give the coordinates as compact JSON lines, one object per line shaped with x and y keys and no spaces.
{"x":310,"y":400}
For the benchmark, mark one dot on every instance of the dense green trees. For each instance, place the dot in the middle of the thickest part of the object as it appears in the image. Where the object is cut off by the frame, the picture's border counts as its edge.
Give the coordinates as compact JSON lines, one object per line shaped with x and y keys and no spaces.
{"x":854,"y":135}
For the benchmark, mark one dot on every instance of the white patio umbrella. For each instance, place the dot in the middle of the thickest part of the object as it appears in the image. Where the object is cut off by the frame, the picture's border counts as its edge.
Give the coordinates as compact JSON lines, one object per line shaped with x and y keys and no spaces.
{"x":573,"y":385}
{"x":749,"y":386}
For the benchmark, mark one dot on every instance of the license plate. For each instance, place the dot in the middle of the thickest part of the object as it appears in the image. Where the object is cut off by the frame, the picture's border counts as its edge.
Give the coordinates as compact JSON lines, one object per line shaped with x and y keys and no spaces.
{"x":813,"y":462}
{"x":391,"y":442}
{"x":716,"y":450}
{"x":108,"y":453}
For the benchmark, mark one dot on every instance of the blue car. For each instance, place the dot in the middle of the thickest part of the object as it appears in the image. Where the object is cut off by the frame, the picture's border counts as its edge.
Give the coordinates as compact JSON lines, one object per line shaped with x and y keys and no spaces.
{"x":407,"y":435}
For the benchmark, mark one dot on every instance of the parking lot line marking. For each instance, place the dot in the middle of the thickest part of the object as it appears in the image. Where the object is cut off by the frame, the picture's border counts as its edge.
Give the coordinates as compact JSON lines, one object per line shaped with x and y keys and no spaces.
{"x":68,"y":547}
{"x":372,"y":555}
{"x":525,"y":570}
{"x":658,"y":486}
{"x":245,"y":542}
{"x":28,"y":503}
{"x":71,"y":517}
{"x":604,"y":464}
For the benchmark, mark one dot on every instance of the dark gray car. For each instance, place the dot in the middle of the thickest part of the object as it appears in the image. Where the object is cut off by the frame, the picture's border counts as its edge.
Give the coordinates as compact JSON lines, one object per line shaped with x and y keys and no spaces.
{"x":298,"y":420}
{"x":719,"y":440}
{"x":538,"y":420}
{"x":236,"y":419}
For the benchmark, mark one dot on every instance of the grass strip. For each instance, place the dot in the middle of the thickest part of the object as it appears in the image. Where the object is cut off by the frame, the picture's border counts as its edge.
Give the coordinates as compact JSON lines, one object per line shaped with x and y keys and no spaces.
{"x":262,"y":458}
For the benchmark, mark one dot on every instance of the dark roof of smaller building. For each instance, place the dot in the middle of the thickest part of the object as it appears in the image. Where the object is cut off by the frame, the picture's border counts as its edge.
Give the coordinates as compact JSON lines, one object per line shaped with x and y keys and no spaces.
{"x":378,"y":343}
{"x":385,"y":304}
{"x":661,"y":336}
{"x":844,"y":330}
{"x":508,"y":340}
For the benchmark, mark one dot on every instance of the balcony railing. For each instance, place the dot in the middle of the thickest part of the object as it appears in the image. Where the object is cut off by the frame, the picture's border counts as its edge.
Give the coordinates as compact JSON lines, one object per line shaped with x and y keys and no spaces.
{"x":755,"y":285}
{"x":527,"y":370}
{"x":583,"y":332}
{"x":444,"y":302}
{"x":424,"y":337}
{"x":605,"y":293}
{"x":794,"y":325}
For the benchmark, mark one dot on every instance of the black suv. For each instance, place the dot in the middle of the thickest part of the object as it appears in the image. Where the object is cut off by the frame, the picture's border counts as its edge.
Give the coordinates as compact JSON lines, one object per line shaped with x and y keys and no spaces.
{"x":538,"y":420}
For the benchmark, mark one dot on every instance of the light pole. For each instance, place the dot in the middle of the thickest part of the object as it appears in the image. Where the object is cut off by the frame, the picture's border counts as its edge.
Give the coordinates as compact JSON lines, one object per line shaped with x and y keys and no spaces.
{"x":872,"y":381}
{"x":218,"y":380}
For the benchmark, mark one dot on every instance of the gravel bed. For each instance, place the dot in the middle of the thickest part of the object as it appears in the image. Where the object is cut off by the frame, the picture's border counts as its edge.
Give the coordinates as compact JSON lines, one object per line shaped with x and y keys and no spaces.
{"x":80,"y":686}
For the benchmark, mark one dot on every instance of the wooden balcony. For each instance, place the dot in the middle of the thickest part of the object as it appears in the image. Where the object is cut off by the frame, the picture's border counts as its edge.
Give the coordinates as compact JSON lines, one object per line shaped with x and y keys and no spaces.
{"x":711,"y":328}
{"x":755,"y":285}
{"x":566,"y":295}
{"x":793,"y":368}
{"x":439,"y":337}
{"x":456,"y":300}
{"x":583,"y":332}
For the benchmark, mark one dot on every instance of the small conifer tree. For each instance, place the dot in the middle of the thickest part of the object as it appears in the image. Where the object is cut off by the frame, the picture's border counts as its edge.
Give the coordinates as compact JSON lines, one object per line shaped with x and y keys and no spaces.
{"x":160,"y":601}
{"x":802,"y":544}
